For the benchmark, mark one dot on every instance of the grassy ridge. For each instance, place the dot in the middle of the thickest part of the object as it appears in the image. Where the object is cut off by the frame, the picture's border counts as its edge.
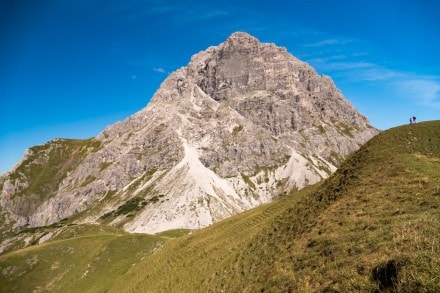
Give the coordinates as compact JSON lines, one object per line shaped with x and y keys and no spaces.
{"x":379,"y":213}
{"x":373,"y":225}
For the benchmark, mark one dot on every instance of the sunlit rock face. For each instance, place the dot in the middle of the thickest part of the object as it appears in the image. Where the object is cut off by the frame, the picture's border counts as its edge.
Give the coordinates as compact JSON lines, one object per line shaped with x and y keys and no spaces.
{"x":243,"y":123}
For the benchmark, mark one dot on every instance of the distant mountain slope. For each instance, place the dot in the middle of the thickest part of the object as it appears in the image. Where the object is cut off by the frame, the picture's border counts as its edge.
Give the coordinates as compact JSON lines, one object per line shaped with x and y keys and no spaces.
{"x":373,"y":225}
{"x":241,"y":124}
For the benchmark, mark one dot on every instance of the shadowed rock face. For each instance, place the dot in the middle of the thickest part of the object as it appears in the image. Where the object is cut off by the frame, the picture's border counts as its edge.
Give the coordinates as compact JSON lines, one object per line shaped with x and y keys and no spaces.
{"x":242,"y":123}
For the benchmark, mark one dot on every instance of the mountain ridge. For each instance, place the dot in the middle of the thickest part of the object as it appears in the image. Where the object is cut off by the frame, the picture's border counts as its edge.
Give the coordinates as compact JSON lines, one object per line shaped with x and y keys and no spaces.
{"x":243,"y":123}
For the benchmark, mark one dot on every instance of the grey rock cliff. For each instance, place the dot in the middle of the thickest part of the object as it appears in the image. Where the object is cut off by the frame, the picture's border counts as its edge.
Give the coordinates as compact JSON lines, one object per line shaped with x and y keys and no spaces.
{"x":241,"y":124}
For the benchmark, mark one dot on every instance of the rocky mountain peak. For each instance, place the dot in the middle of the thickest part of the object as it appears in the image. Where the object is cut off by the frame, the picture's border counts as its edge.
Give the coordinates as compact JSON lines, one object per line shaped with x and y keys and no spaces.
{"x":243,"y":123}
{"x":240,"y":39}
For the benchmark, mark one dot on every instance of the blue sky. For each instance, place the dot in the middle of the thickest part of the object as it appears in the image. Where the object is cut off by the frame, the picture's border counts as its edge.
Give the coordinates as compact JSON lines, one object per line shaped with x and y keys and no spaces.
{"x":69,"y":68}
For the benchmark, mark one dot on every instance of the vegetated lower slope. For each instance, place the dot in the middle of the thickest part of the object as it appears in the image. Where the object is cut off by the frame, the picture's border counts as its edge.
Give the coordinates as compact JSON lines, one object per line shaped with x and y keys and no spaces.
{"x":374,"y":224}
{"x":81,"y":258}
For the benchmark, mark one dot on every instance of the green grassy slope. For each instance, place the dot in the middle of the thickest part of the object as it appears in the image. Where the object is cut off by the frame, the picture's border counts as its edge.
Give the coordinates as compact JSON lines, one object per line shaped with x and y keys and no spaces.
{"x":378,"y":213}
{"x":80,"y":259}
{"x":373,"y":225}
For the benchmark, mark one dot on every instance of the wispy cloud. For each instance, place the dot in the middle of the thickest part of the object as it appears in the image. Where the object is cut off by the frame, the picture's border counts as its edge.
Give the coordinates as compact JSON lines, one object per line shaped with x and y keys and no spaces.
{"x":378,"y":73}
{"x":425,"y":90}
{"x":159,"y":70}
{"x":328,"y":42}
{"x":326,"y":60}
{"x":213,"y":14}
{"x":359,"y":54}
{"x":324,"y":65}
{"x":177,"y":12}
{"x":353,"y":67}
{"x":422,"y":89}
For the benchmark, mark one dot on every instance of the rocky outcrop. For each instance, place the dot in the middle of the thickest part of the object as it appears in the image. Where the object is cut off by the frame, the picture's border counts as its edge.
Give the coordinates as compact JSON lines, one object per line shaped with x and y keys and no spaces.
{"x":243,"y":123}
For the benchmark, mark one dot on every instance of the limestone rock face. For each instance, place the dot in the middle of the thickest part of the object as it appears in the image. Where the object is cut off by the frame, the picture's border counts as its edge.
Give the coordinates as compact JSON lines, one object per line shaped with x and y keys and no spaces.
{"x":242,"y":123}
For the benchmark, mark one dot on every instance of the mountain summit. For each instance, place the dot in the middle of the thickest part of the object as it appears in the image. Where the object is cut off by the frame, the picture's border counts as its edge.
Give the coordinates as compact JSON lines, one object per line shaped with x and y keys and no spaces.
{"x":241,"y":124}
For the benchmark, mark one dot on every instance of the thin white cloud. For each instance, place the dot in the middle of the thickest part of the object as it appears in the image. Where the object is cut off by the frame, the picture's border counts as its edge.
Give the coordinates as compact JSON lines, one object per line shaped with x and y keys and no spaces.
{"x":159,"y":70}
{"x":326,"y":60}
{"x":214,"y":14}
{"x":175,"y":11}
{"x":378,"y":73}
{"x":354,"y":70}
{"x":328,"y":42}
{"x":425,"y":90}
{"x":359,"y":54}
{"x":345,"y":66}
{"x":422,"y":89}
